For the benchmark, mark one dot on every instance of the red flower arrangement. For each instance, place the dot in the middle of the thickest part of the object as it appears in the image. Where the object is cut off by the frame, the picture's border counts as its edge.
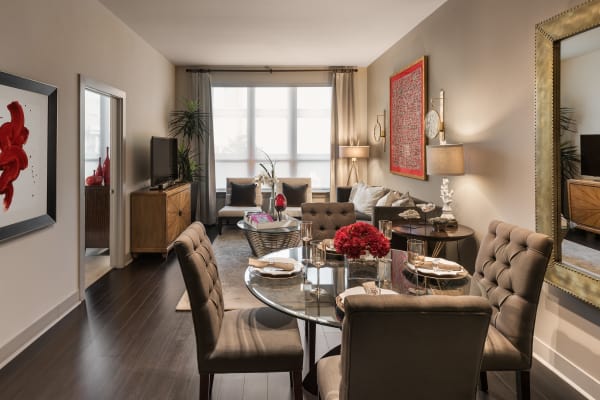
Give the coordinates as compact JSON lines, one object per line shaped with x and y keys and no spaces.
{"x":356,"y":239}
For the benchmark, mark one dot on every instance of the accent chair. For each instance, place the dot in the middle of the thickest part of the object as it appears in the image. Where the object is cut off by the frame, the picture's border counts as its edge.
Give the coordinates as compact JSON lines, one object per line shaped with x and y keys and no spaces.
{"x":239,"y":198}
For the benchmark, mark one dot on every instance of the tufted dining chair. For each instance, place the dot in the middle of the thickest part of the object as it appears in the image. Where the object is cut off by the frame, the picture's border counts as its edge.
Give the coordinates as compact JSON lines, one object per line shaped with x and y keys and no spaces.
{"x":327,"y":218}
{"x":409,"y":347}
{"x":510,"y":265}
{"x":238,"y":341}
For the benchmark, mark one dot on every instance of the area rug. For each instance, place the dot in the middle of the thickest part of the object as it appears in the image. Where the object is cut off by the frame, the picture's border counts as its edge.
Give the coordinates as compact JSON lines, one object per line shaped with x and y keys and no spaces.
{"x":231,"y":252}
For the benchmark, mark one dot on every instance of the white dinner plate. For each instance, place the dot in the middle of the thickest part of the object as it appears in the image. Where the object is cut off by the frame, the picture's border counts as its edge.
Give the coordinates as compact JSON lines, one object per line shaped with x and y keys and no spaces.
{"x":278,"y":272}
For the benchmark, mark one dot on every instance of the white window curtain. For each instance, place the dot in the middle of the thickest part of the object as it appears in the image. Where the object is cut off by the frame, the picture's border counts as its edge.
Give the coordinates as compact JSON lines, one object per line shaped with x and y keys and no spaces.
{"x":342,"y":126}
{"x":206,"y":197}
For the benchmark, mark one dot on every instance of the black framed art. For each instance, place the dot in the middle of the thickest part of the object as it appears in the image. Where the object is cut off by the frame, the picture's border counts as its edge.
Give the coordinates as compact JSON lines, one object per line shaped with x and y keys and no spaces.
{"x":27,"y":156}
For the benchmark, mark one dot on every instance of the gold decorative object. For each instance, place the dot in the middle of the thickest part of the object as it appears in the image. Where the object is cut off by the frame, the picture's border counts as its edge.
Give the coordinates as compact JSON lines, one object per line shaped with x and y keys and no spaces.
{"x":548,"y":35}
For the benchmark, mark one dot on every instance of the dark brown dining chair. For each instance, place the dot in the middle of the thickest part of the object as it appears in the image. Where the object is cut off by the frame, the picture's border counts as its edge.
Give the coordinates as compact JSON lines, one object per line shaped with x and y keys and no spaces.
{"x":409,"y":347}
{"x":237,"y":341}
{"x":327,"y":218}
{"x":510,"y":265}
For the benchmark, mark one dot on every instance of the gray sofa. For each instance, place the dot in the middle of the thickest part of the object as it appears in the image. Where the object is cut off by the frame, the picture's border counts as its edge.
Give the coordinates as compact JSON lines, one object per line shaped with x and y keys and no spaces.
{"x":390,"y":213}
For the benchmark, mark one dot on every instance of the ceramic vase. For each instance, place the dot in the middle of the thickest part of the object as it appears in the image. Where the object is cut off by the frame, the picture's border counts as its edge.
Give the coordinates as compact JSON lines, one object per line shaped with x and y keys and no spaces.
{"x":106,"y":169}
{"x":99,"y":171}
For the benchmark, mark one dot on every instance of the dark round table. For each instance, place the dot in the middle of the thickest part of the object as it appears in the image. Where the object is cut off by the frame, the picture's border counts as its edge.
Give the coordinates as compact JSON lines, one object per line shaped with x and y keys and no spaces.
{"x":426,"y":232}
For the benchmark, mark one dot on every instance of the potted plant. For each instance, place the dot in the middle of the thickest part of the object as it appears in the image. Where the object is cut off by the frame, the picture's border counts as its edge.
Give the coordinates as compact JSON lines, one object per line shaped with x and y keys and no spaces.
{"x":569,"y":154}
{"x":190,"y":125}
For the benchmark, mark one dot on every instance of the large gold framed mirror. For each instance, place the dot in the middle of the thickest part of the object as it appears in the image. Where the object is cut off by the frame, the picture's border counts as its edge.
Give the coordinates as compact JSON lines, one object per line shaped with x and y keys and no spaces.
{"x":581,"y":281}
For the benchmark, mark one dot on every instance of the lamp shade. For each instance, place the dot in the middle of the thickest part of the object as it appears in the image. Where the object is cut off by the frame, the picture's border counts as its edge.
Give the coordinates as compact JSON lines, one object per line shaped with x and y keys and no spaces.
{"x":445,"y":159}
{"x":354,"y":151}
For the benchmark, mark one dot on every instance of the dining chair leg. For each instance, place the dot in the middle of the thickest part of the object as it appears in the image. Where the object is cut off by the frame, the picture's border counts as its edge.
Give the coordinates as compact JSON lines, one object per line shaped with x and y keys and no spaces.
{"x":212,"y":379}
{"x":312,"y":338}
{"x":204,"y":386}
{"x":523,"y":385}
{"x":483,"y":384}
{"x":297,"y":384}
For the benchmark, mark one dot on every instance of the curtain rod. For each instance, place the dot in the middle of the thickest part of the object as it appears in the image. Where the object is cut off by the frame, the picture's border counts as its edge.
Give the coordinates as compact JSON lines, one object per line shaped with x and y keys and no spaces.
{"x":271,"y":70}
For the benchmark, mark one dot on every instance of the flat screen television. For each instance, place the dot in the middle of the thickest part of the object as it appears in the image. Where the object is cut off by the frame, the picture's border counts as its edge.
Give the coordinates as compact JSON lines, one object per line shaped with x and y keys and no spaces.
{"x":589,"y":147}
{"x":163,"y":161}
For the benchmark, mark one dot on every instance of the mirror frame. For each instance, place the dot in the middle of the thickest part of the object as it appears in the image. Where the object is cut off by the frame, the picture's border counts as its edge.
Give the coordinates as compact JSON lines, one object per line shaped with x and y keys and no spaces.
{"x":548,"y":35}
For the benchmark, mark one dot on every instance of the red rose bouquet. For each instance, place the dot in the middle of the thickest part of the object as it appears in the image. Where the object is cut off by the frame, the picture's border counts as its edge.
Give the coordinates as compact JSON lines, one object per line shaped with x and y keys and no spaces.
{"x":356,"y":239}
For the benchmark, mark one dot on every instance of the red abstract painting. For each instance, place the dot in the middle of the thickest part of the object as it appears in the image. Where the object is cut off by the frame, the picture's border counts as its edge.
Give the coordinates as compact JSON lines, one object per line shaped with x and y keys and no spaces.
{"x":27,"y":155}
{"x":407,"y":115}
{"x":13,"y":159}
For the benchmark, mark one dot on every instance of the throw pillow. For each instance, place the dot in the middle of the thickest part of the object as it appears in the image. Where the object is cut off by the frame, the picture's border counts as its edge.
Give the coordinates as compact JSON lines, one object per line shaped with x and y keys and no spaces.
{"x":365,"y":199}
{"x":357,"y":187}
{"x":404,"y":201}
{"x":243,"y":194}
{"x":295,"y":194}
{"x":388,"y":199}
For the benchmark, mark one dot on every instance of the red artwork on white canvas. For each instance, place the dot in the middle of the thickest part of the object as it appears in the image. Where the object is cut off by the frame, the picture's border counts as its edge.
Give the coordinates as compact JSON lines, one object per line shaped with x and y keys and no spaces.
{"x":13,"y":159}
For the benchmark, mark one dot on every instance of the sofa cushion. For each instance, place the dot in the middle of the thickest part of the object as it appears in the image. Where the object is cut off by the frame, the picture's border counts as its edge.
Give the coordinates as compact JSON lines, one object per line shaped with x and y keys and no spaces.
{"x":388,"y":198}
{"x":366,"y":197}
{"x":404,"y":201}
{"x":295,"y":194}
{"x":243,"y":194}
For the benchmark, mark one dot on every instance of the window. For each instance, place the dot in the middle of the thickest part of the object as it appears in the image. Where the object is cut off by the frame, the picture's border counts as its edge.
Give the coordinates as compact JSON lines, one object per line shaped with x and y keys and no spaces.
{"x":97,"y":129}
{"x":291,"y":124}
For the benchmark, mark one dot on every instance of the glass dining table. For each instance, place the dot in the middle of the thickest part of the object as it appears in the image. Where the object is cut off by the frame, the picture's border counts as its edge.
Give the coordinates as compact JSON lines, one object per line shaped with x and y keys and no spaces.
{"x":295,"y":294}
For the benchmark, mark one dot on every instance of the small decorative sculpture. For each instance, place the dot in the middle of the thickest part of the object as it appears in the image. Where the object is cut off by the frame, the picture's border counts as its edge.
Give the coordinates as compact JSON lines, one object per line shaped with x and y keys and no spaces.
{"x":446,"y":196}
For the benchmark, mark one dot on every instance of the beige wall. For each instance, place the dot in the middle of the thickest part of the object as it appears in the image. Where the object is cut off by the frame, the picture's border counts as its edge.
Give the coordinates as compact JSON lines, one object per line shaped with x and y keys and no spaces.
{"x":482,"y":54}
{"x":53,"y":42}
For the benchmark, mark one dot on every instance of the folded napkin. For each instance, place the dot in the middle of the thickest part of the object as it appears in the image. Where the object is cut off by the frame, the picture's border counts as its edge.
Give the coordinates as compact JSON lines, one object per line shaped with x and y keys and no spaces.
{"x":442,"y":265}
{"x":286,"y":264}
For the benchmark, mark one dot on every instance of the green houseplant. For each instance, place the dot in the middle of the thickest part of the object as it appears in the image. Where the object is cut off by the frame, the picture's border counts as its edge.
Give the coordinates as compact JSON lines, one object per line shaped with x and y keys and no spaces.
{"x":569,"y":154}
{"x":190,"y":125}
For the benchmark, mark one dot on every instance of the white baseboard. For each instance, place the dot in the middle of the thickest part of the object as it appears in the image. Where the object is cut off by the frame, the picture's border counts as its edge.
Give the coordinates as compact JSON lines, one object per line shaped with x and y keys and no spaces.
{"x":581,"y":381}
{"x":16,"y":345}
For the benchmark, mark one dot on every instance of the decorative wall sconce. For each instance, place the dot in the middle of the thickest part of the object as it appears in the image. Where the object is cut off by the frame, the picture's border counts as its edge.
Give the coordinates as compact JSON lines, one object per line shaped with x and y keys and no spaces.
{"x":434,"y":121}
{"x":379,"y":129}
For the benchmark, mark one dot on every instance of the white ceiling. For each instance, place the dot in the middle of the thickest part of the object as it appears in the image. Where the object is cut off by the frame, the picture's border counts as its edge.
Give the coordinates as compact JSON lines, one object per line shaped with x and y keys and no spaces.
{"x":272,"y":32}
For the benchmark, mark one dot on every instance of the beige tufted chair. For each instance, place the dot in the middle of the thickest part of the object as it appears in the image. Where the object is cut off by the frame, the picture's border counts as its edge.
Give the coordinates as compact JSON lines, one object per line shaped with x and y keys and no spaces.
{"x":327,"y":218}
{"x":510,"y":265}
{"x":238,"y":341}
{"x":432,"y":349}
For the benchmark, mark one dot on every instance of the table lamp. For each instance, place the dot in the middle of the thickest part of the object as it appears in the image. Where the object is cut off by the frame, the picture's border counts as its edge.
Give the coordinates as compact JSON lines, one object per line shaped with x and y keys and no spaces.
{"x":353,"y":152}
{"x":446,"y":160}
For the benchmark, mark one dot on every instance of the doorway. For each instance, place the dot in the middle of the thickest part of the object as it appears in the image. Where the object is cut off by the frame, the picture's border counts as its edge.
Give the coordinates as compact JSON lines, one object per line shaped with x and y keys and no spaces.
{"x":101,"y":228}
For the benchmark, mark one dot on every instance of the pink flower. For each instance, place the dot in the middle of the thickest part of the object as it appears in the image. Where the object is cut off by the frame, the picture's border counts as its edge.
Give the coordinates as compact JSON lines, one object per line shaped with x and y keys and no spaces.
{"x":356,"y":239}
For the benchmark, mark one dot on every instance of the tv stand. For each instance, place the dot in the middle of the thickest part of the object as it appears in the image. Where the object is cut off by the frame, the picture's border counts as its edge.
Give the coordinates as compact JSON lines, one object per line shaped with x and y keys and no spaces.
{"x":584,"y":204}
{"x":158,"y":217}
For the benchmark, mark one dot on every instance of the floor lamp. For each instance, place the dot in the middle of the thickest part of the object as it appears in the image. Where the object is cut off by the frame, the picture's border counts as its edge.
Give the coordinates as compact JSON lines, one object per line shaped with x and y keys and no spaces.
{"x":353,"y":152}
{"x":446,"y":160}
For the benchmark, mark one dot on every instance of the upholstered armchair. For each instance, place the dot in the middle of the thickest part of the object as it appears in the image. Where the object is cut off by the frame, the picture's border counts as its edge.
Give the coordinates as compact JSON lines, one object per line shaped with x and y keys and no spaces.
{"x":296,"y":191}
{"x":327,"y":218}
{"x":407,"y":347}
{"x":510,"y":265}
{"x":242,"y":194}
{"x":238,"y":341}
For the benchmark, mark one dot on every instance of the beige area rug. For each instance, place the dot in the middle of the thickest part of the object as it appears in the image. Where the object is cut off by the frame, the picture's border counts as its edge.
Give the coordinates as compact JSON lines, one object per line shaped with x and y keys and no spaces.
{"x":581,"y":257}
{"x":231,"y":252}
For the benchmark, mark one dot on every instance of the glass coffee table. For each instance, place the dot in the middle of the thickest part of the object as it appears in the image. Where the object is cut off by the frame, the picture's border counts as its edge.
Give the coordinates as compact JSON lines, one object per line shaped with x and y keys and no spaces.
{"x":265,"y":241}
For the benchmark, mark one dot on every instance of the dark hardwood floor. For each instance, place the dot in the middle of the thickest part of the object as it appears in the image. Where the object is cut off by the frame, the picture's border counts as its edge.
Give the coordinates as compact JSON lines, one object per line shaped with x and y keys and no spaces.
{"x":127,"y":342}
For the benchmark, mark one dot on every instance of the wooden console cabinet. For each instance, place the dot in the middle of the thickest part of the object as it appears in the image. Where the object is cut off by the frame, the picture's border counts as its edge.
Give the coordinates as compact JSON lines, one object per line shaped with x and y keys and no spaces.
{"x":158,"y":217}
{"x":97,"y":216}
{"x":584,"y":204}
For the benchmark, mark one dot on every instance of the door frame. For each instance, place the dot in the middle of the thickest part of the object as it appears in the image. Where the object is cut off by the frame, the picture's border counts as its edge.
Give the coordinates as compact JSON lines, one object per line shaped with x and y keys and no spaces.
{"x":117,"y":175}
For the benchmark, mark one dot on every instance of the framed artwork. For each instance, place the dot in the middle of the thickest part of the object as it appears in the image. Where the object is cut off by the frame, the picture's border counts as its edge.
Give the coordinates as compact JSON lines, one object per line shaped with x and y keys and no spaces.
{"x":27,"y":156}
{"x":407,"y":115}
